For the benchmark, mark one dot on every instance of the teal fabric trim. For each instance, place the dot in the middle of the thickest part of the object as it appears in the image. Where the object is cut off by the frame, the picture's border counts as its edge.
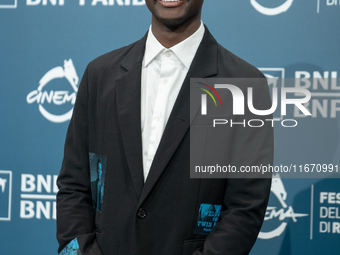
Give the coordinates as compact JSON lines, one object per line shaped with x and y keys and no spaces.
{"x":71,"y":249}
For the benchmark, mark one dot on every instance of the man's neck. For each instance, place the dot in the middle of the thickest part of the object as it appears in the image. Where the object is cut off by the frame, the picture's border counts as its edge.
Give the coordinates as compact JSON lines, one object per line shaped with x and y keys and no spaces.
{"x":170,"y":36}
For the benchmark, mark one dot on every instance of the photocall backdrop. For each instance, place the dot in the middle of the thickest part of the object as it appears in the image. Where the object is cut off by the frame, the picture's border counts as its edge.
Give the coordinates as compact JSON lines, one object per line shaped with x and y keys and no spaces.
{"x":45,"y":46}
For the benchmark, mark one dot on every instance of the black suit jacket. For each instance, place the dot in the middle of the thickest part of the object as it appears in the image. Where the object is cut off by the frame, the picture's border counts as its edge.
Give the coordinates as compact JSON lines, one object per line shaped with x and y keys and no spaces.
{"x":158,"y":217}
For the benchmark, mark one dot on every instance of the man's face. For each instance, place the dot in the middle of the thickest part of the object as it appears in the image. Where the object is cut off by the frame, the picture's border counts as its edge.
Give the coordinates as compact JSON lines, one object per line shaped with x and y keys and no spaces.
{"x":175,"y":12}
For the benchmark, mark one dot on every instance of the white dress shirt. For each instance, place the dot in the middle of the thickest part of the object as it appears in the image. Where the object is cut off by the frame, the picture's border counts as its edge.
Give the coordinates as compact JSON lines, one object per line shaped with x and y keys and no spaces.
{"x":163,"y":73}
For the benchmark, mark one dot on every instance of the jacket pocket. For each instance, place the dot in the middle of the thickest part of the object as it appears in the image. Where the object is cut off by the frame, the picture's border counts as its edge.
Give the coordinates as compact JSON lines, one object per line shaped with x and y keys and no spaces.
{"x":97,"y":173}
{"x":189,"y":246}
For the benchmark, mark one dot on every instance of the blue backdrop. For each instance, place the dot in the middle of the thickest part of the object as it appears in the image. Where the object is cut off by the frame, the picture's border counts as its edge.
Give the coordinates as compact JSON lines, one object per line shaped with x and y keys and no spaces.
{"x":45,"y":46}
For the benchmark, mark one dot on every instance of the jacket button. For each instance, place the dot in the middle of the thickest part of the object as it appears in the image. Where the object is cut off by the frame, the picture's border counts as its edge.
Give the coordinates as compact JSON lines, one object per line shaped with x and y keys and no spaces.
{"x":141,"y":213}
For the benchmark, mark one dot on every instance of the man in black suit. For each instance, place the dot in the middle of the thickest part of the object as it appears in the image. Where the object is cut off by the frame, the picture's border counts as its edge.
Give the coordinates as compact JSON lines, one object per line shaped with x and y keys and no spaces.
{"x":124,"y":185}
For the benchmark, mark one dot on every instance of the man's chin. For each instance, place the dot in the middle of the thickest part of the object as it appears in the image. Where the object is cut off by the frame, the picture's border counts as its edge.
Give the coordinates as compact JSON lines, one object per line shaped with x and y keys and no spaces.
{"x":175,"y":22}
{"x":172,"y":23}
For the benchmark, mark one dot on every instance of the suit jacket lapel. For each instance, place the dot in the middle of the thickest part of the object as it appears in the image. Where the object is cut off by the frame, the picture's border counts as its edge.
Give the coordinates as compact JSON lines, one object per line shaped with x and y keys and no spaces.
{"x":128,"y":88}
{"x":203,"y":65}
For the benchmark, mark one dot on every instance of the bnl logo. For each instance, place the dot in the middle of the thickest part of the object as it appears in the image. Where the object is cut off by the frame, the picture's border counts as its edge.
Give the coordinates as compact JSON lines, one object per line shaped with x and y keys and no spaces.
{"x":5,"y":4}
{"x":5,"y":195}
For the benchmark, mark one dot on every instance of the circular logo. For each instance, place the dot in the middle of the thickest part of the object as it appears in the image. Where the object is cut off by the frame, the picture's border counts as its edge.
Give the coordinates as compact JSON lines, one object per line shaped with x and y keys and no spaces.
{"x":272,"y":11}
{"x":281,"y":214}
{"x":56,"y":97}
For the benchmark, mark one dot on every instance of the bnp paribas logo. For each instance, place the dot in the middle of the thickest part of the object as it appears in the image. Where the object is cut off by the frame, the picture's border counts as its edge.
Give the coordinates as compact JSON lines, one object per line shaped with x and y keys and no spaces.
{"x":276,"y":8}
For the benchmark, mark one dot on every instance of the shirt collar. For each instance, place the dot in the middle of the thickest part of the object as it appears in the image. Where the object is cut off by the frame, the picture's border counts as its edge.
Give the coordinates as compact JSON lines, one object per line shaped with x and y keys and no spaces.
{"x":185,"y":50}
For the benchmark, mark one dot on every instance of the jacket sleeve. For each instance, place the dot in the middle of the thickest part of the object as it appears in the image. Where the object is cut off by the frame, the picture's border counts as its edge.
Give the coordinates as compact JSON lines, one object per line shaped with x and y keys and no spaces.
{"x":75,"y":212}
{"x":245,"y":199}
